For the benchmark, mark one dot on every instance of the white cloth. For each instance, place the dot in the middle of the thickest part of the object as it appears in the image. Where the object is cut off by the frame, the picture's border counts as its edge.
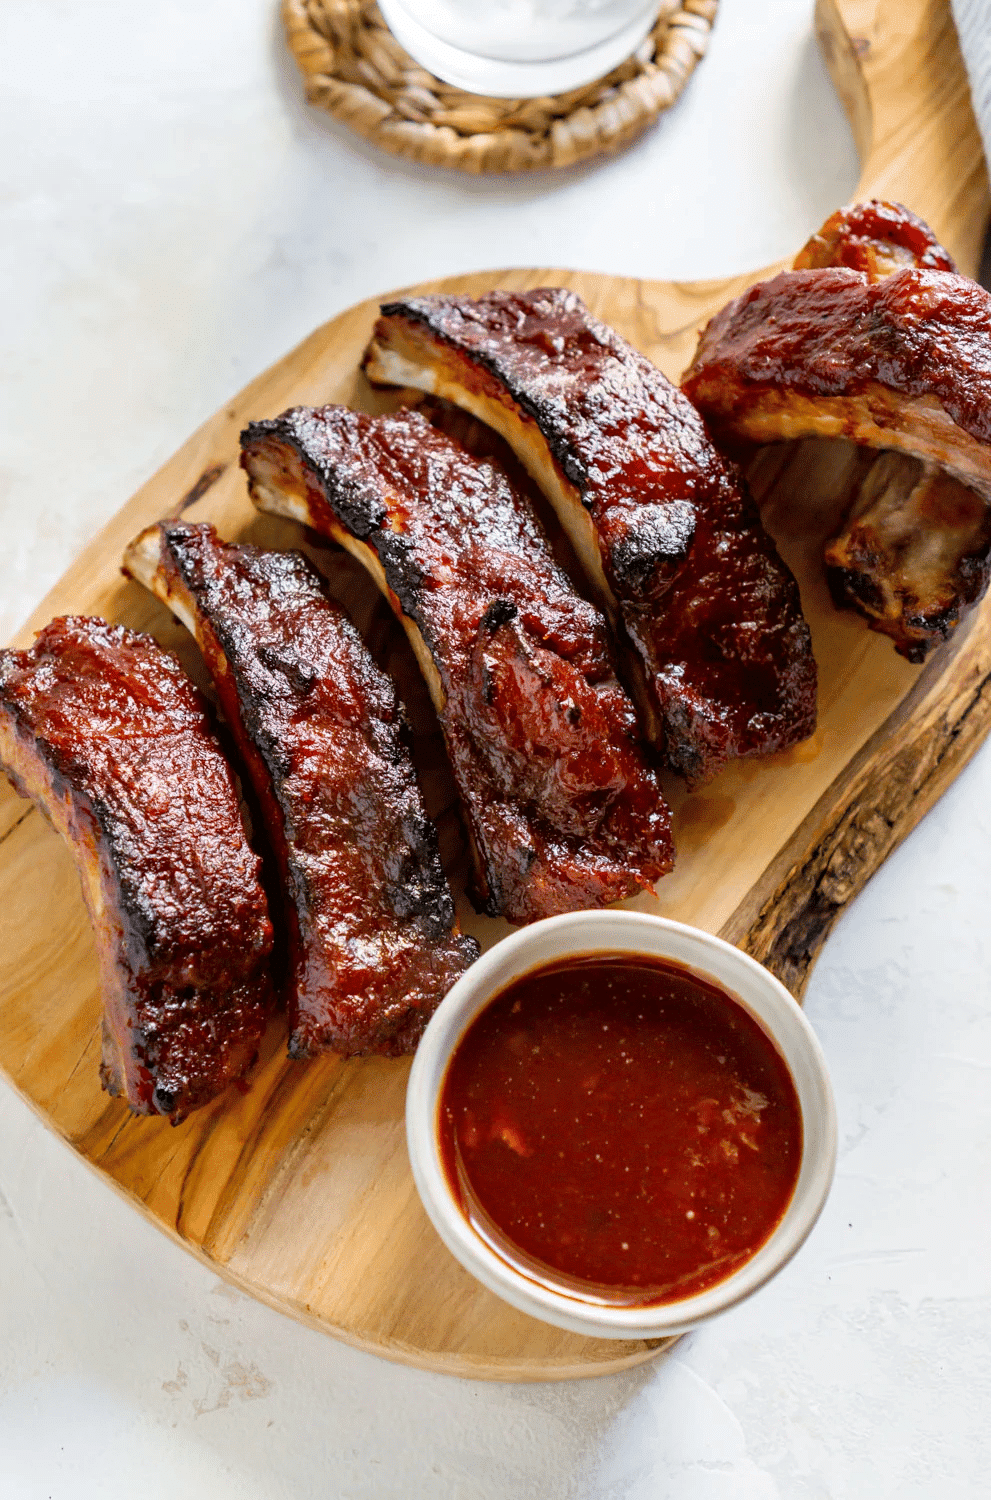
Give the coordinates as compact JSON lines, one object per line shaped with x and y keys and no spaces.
{"x":973,"y":18}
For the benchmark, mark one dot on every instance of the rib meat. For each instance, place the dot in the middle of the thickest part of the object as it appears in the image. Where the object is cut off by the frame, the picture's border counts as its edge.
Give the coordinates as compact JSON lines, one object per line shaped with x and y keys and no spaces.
{"x":874,"y":338}
{"x":562,"y":810}
{"x":101,"y":728}
{"x":374,"y":944}
{"x":877,"y":238}
{"x":913,"y":552}
{"x":669,"y":540}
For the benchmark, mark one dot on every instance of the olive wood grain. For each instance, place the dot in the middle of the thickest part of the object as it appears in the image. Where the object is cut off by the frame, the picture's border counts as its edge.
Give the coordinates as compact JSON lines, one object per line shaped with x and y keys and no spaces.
{"x":298,"y":1189}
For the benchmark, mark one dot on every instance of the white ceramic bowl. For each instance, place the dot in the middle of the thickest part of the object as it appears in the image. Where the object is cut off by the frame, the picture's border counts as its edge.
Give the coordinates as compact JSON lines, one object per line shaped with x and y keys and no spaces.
{"x":723,"y":965}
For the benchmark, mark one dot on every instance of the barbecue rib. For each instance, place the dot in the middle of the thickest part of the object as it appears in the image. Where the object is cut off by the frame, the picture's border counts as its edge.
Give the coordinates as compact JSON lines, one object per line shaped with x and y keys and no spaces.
{"x":100,"y":727}
{"x":373,"y":940}
{"x":562,"y":810}
{"x":721,"y":660}
{"x":877,"y":238}
{"x":873,"y":338}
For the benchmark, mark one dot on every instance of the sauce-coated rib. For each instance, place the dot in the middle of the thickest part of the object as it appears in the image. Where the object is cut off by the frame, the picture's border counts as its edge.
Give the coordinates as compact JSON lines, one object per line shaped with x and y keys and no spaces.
{"x":673,"y":546}
{"x":877,"y":238}
{"x":101,"y":728}
{"x":562,"y":810}
{"x":374,"y":945}
{"x":875,"y":338}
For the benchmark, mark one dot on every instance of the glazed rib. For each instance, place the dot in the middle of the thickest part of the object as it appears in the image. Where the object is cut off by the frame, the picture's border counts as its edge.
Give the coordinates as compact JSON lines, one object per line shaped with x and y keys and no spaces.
{"x":562,"y":810}
{"x":875,"y":339}
{"x":876,"y":238}
{"x":374,"y":945}
{"x":671,"y":544}
{"x":102,"y":730}
{"x":901,"y":363}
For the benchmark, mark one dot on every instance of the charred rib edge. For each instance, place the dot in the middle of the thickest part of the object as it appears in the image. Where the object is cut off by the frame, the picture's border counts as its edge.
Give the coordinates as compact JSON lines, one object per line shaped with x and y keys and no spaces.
{"x":268,"y":497}
{"x":388,"y":367}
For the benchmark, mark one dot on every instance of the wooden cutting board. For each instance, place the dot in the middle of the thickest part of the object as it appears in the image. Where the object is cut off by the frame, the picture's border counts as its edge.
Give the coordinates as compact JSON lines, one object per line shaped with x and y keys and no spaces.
{"x":298,"y":1190}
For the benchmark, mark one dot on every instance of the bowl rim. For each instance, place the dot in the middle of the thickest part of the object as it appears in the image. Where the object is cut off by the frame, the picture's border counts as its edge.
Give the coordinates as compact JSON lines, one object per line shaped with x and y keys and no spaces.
{"x":749,"y":983}
{"x":480,"y":72}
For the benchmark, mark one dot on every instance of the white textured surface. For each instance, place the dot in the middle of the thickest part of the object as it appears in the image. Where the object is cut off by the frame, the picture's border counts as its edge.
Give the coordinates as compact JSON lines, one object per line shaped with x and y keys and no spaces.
{"x":171,"y":220}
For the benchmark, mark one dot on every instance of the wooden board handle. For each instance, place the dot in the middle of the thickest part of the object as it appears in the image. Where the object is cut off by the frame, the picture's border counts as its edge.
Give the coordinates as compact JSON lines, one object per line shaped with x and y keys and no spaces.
{"x":900,"y":773}
{"x":298,"y":1190}
{"x":919,"y":146}
{"x":898,"y":70}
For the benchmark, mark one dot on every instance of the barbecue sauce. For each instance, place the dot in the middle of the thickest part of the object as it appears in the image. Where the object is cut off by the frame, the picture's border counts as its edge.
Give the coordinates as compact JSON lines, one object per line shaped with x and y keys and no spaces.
{"x":618,"y":1128}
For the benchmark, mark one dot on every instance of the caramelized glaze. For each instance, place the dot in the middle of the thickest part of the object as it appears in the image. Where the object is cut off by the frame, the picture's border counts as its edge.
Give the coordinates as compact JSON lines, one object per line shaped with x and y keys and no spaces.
{"x":875,"y":338}
{"x":562,"y":809}
{"x":834,"y":332}
{"x":103,"y":730}
{"x":374,"y":945}
{"x":660,"y":521}
{"x":877,"y":238}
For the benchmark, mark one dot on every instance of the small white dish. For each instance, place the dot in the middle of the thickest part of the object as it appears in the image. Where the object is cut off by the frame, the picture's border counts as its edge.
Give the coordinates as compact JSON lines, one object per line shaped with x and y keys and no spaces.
{"x":724,"y":966}
{"x":517,"y":75}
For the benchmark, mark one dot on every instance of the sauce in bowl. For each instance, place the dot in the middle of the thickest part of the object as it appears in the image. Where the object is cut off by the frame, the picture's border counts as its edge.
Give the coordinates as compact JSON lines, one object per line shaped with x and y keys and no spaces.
{"x":620,"y":1129}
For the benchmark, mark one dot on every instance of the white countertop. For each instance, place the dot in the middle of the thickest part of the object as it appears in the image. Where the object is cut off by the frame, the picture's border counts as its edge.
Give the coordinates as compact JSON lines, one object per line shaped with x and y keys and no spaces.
{"x":172,"y":219}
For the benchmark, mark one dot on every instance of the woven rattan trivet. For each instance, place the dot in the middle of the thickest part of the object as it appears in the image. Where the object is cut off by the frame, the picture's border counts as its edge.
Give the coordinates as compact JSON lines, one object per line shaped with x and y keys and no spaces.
{"x":356,"y":70}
